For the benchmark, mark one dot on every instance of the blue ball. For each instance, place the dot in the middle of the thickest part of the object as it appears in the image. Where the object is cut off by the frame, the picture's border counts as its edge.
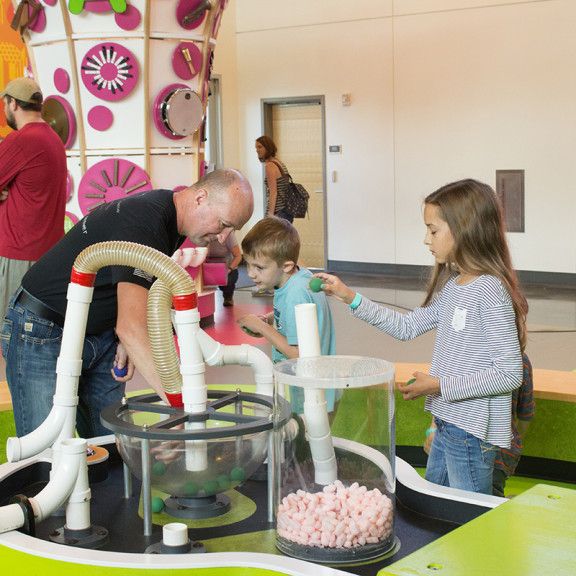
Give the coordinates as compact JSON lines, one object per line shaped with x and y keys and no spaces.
{"x":120,"y":372}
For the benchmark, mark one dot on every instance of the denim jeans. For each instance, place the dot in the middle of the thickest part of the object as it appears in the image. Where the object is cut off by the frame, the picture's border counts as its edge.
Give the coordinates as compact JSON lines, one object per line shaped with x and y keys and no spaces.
{"x":460,"y":460}
{"x":31,"y":346}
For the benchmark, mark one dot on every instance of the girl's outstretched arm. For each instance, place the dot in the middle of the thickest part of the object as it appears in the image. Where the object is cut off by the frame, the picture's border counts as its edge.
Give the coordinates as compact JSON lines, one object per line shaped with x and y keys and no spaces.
{"x":333,"y":286}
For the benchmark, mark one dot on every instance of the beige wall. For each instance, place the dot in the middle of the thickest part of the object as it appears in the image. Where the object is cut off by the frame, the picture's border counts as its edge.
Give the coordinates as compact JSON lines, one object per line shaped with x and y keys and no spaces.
{"x":441,"y":90}
{"x":226,"y":66}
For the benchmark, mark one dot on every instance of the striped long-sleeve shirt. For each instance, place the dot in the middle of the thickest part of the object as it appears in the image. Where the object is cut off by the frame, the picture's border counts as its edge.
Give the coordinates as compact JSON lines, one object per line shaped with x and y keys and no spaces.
{"x":477,"y":355}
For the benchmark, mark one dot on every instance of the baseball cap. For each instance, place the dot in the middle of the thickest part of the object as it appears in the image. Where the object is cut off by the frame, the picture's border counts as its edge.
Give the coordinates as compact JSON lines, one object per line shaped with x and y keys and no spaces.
{"x":22,"y":89}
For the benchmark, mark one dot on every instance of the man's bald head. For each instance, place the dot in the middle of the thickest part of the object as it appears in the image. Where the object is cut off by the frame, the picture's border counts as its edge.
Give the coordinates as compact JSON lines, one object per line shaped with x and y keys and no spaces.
{"x":218,"y":203}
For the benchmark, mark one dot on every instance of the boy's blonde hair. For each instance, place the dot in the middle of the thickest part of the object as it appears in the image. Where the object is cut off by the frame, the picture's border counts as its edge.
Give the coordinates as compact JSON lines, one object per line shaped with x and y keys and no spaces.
{"x":274,"y":238}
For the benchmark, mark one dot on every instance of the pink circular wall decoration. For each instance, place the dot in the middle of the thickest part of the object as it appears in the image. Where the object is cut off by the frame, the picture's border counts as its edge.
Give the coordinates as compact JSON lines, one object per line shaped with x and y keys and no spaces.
{"x":100,"y":118}
{"x":186,"y":7}
{"x":129,"y":19}
{"x":184,"y":69}
{"x":39,"y":21}
{"x":109,"y":71}
{"x":61,"y":80}
{"x":109,"y":180}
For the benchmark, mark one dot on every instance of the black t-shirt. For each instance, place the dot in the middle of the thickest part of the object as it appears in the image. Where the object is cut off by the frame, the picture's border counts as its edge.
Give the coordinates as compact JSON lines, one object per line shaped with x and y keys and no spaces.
{"x":148,"y":218}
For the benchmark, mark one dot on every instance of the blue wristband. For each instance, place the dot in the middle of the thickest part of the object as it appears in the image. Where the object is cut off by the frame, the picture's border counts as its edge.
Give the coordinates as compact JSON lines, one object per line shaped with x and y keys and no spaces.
{"x":430,"y":431}
{"x":356,"y":302}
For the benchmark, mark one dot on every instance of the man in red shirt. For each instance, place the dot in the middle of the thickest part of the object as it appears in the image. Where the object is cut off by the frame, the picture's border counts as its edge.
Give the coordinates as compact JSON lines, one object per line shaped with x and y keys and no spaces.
{"x":32,"y":186}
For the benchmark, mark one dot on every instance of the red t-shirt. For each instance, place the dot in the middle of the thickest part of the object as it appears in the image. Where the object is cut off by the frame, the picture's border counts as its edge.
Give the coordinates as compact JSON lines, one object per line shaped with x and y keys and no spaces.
{"x":33,"y":170}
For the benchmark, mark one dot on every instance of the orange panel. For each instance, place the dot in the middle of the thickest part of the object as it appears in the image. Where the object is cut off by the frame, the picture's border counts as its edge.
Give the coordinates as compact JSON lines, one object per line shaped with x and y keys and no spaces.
{"x":13,"y":56}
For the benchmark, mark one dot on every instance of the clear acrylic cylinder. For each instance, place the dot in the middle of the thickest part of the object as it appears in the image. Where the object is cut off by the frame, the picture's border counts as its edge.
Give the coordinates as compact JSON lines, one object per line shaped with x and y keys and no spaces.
{"x":334,"y":460}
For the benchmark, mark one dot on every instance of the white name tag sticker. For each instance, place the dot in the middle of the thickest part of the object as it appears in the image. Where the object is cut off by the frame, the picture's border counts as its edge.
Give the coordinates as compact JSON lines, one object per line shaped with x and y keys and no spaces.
{"x":459,"y":319}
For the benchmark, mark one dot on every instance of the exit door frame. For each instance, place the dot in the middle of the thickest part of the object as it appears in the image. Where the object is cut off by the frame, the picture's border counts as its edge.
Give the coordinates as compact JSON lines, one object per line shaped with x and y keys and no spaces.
{"x":266,"y":106}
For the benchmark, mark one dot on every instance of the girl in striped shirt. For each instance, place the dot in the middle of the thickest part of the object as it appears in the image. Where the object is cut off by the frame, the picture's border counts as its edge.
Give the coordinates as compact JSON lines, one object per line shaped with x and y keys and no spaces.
{"x":475,"y":304}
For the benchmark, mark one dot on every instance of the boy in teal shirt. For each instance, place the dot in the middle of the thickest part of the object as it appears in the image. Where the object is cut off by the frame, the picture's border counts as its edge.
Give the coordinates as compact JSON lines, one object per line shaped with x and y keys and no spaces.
{"x":271,"y":250}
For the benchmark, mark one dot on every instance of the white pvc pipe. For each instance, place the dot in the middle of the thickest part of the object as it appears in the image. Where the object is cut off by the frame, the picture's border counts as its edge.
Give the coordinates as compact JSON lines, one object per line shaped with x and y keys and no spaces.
{"x":192,"y":368}
{"x":212,"y":351}
{"x":78,"y":506}
{"x":61,"y":422}
{"x":61,"y":485}
{"x":18,"y":449}
{"x":258,"y":360}
{"x":12,"y":517}
{"x":216,"y":354}
{"x":79,"y":299}
{"x":68,"y":475}
{"x":307,"y":329}
{"x":315,"y":406}
{"x":175,"y":534}
{"x":194,"y":389}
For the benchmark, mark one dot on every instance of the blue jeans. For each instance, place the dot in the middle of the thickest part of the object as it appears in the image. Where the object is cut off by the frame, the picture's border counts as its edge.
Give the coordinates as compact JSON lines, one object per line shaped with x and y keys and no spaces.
{"x":460,"y":460}
{"x":31,"y":346}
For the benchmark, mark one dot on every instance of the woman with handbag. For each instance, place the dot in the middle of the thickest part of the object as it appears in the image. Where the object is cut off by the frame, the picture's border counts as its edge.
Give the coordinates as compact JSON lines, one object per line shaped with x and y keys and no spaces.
{"x":277,"y":179}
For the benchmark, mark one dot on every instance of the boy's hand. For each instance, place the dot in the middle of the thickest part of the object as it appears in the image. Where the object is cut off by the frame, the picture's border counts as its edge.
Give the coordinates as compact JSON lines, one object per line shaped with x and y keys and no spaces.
{"x":251,"y":324}
{"x":333,"y":286}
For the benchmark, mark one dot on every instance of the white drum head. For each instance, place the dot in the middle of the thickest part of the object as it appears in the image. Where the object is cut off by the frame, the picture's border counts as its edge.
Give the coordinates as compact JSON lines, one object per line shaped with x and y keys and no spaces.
{"x":182,"y":111}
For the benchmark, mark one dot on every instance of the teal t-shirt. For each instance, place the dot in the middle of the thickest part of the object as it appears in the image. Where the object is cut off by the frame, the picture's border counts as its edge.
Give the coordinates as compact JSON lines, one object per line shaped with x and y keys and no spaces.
{"x":286,"y":298}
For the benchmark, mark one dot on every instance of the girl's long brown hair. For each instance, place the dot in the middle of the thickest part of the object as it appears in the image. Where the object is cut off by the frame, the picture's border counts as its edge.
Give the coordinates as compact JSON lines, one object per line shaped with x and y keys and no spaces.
{"x":474,"y":215}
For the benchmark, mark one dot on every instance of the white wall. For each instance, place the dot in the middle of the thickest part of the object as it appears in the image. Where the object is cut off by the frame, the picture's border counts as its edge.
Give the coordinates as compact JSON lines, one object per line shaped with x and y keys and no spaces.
{"x":441,"y":90}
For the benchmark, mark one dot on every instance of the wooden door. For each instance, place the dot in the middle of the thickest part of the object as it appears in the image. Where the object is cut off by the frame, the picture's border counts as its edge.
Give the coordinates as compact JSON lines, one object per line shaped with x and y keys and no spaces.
{"x":297,"y":129}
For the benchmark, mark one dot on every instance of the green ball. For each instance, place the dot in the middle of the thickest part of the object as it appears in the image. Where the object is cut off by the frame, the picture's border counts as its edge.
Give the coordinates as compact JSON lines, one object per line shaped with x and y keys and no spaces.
{"x":237,"y":474}
{"x":157,"y":504}
{"x":159,"y":468}
{"x":191,"y":488}
{"x":316,"y":284}
{"x":210,"y":487}
{"x":224,"y":482}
